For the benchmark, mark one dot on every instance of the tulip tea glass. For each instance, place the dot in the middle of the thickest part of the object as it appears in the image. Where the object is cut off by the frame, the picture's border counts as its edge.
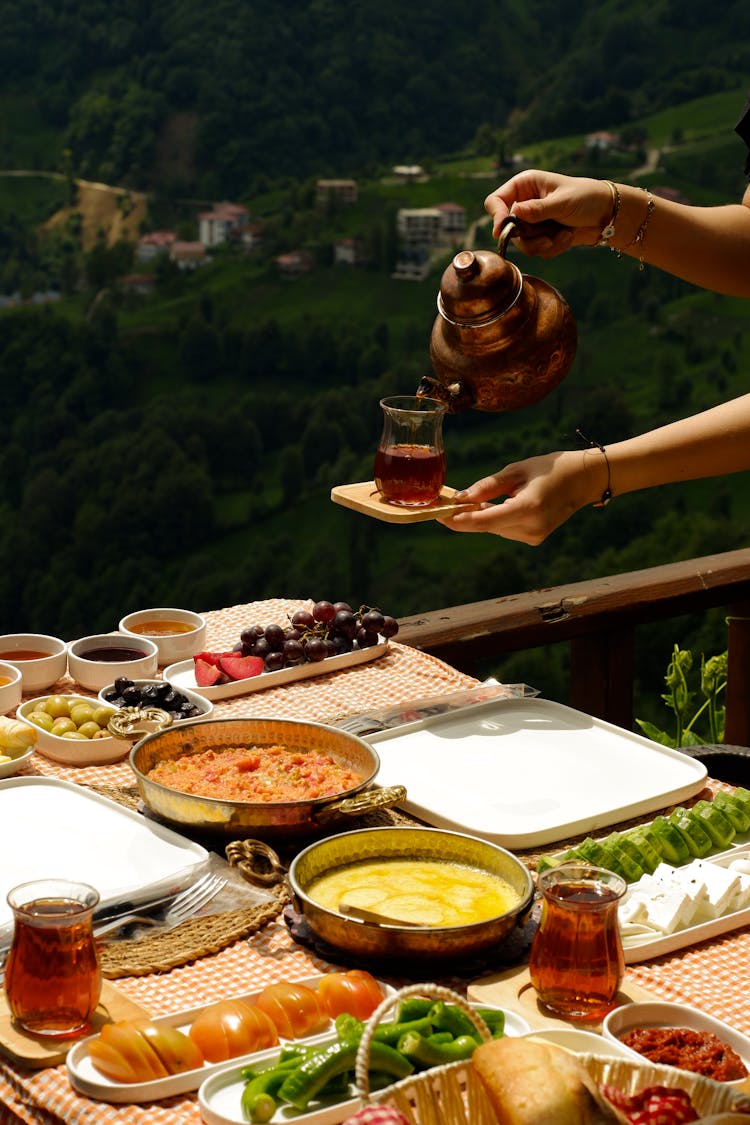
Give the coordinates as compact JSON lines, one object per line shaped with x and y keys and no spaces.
{"x":410,"y":459}
{"x":576,"y":962}
{"x":52,"y":975}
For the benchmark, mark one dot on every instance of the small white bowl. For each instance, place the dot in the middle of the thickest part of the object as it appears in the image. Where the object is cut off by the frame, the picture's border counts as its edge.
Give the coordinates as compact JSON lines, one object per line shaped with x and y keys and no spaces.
{"x":94,"y":673}
{"x":41,"y":672}
{"x":10,"y":692}
{"x":581,"y":1042}
{"x":7,"y":769}
{"x":70,"y":751}
{"x":205,"y":706}
{"x":172,"y":646}
{"x":662,"y":1014}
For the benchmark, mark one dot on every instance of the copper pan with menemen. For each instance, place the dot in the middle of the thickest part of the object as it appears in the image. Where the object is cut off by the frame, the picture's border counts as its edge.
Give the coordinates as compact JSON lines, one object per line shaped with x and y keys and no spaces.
{"x":274,"y":779}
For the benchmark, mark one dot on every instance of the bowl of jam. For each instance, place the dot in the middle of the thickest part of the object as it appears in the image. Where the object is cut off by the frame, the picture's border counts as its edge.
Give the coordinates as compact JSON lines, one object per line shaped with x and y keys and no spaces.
{"x":177,"y":633}
{"x":96,"y":661}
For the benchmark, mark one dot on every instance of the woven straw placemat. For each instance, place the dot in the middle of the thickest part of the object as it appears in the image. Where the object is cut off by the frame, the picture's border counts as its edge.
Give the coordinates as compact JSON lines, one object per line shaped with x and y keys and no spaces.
{"x":206,"y":934}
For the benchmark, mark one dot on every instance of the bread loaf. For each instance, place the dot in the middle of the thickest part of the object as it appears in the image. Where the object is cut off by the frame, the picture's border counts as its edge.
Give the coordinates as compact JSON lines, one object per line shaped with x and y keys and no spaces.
{"x":534,"y":1083}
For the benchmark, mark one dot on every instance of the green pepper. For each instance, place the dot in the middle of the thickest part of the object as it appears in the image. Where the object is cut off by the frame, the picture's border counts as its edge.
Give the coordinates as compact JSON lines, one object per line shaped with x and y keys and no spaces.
{"x":258,"y":1102}
{"x":414,"y":1007}
{"x":392,"y":1032}
{"x":348,"y":1028}
{"x":449,"y":1017}
{"x":495,"y":1020}
{"x":424,"y":1053}
{"x":312,"y":1075}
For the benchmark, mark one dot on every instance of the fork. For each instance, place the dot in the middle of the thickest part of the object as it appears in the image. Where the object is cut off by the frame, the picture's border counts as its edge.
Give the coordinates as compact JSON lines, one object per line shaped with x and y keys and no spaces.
{"x":187,"y":903}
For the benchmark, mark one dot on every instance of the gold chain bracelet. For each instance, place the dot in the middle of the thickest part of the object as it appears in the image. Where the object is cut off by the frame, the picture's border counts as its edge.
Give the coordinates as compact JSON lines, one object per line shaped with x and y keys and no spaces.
{"x":609,"y":230}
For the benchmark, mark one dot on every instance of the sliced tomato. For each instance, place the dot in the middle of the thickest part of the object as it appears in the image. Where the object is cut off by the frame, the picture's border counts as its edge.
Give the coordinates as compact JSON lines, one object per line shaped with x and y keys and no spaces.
{"x":122,"y":1054}
{"x":355,"y":992}
{"x":294,"y":1009}
{"x":230,"y":1028}
{"x":176,"y":1050}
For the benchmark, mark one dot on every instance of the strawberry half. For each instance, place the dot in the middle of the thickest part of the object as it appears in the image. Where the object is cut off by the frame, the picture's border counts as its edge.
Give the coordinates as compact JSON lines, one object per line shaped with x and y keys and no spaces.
{"x":240,"y":667}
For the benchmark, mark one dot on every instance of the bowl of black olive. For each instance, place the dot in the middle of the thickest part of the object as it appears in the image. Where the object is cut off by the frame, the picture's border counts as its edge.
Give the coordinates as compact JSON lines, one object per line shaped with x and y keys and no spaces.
{"x":181,"y":703}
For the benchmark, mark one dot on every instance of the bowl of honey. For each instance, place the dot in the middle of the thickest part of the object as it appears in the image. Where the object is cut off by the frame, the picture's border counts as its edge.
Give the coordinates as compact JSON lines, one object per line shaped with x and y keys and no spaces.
{"x":10,"y":688}
{"x":177,"y":633}
{"x":41,"y":660}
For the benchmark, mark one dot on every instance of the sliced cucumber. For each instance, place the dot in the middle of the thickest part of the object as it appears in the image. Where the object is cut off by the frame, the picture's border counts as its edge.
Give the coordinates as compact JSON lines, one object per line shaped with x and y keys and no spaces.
{"x":669,"y":842}
{"x":719,"y":827}
{"x":650,"y":856}
{"x":733,"y":810}
{"x":621,"y":850}
{"x":692,"y":831}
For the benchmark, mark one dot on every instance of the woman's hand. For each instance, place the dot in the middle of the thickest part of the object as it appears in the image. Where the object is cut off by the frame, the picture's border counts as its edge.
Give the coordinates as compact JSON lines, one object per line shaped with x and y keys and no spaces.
{"x":541,"y":494}
{"x":554,"y":211}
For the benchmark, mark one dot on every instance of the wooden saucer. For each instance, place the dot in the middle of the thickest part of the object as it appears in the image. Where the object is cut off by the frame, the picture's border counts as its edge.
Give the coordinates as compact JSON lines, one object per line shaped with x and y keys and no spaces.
{"x":365,"y":498}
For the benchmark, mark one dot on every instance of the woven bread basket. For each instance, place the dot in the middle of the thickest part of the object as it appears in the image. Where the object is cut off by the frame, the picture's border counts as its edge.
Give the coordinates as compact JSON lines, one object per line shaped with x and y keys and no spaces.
{"x":454,"y":1094}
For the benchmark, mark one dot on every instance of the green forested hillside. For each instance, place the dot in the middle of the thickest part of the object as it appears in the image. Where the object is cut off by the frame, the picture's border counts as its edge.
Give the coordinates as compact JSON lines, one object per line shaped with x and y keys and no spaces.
{"x":180,"y":448}
{"x":216,"y":99}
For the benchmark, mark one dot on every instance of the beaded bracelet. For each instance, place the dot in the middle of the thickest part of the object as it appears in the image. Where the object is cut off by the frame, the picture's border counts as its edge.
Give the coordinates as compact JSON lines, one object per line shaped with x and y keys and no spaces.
{"x":607,"y":494}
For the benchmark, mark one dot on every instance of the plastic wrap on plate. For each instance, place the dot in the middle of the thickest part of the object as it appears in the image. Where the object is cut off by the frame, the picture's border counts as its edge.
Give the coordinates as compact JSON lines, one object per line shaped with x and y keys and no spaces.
{"x":416,"y":709}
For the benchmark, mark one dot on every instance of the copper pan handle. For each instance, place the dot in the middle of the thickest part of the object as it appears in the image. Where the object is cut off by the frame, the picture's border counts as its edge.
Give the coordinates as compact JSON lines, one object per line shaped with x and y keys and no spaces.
{"x":123,"y":722}
{"x":365,"y":801}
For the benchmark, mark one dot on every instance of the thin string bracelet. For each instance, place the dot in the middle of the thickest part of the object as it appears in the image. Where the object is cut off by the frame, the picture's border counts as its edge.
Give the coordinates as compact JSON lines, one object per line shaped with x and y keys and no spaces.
{"x":607,"y":494}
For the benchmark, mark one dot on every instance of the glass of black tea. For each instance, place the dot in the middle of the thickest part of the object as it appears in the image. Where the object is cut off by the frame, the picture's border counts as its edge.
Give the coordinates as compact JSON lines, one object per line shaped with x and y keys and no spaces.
{"x":410,"y":459}
{"x":52,"y":975}
{"x":576,"y":962}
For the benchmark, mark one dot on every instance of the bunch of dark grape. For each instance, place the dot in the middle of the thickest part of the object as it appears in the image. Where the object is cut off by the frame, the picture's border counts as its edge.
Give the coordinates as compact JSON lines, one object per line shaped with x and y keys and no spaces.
{"x":328,"y":629}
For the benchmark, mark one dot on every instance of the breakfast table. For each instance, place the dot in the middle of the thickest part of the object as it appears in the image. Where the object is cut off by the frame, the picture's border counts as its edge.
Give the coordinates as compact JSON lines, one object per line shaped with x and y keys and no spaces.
{"x":711,"y":976}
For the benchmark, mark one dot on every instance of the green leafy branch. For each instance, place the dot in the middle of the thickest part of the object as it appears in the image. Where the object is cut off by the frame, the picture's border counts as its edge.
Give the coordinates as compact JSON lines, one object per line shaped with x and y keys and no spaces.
{"x":695,"y":722}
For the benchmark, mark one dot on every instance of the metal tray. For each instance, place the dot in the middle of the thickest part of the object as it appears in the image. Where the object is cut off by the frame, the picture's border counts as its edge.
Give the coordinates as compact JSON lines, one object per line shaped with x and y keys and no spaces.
{"x":527,"y":772}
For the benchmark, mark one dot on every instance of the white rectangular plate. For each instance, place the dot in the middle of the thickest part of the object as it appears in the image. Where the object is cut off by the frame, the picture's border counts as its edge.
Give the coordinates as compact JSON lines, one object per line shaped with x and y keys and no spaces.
{"x":642,"y":947}
{"x":56,"y":829}
{"x":88,"y":1080}
{"x":182,"y":675}
{"x":526,"y":772}
{"x":220,"y":1095}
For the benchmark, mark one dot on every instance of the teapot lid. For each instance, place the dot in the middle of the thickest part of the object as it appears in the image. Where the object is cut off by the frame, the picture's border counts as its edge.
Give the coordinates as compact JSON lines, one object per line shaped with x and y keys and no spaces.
{"x":479,"y":286}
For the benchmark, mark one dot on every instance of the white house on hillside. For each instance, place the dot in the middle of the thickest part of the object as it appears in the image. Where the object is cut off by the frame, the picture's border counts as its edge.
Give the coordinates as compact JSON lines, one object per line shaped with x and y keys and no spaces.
{"x":224,"y":222}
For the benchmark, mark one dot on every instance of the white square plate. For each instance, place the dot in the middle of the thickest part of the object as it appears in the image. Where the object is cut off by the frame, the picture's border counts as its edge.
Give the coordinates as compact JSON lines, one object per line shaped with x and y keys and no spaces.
{"x":55,"y":828}
{"x":526,"y":772}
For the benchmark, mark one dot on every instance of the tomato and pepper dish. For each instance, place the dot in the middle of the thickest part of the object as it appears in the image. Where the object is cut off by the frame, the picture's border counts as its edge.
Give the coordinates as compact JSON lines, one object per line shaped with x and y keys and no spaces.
{"x":268,"y":774}
{"x":701,"y":1052}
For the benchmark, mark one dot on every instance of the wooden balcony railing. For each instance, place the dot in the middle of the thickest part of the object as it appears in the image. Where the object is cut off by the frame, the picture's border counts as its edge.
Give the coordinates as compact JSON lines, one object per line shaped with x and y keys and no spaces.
{"x":598,"y":619}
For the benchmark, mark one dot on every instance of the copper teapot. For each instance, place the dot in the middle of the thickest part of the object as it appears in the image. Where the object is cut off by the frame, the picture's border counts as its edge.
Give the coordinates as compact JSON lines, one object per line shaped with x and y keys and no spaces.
{"x":501,"y":340}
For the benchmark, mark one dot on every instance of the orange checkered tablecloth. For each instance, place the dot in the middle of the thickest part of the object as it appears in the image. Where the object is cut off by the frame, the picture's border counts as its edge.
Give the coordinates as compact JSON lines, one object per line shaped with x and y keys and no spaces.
{"x":714,"y":976}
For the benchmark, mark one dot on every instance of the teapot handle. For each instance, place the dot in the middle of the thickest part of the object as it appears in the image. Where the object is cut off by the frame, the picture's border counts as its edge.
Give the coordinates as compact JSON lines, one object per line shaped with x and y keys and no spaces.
{"x":548,"y":227}
{"x":509,"y":224}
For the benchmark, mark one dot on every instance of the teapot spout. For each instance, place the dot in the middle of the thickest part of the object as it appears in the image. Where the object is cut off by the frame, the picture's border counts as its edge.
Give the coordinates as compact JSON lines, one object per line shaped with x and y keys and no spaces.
{"x":456,"y":396}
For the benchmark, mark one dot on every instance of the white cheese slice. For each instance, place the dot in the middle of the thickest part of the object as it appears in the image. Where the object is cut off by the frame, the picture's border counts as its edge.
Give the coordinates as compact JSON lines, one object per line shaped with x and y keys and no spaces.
{"x":670,"y":909}
{"x":721,"y":885}
{"x":742,"y":895}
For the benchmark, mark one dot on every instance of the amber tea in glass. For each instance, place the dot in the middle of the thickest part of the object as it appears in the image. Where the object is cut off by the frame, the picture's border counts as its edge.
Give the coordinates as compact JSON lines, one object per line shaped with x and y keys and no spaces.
{"x":410,"y":459}
{"x":576,"y":962}
{"x":52,"y":975}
